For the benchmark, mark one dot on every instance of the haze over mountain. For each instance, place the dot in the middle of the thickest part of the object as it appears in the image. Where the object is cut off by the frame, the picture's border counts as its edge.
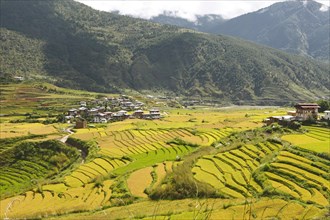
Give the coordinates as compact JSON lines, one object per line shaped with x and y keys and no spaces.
{"x":73,"y":45}
{"x":300,"y":27}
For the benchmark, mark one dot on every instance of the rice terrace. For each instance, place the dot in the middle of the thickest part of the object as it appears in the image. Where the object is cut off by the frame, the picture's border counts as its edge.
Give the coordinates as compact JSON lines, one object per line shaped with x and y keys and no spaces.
{"x":198,"y":162}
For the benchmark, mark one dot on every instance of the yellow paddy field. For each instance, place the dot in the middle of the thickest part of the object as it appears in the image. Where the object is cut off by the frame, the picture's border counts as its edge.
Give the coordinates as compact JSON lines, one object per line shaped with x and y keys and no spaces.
{"x":315,"y":139}
{"x":263,"y":179}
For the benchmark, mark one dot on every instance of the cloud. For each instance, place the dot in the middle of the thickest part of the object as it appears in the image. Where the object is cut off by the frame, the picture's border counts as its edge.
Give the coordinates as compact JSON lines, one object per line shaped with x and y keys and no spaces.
{"x":186,"y":9}
{"x":324,"y":8}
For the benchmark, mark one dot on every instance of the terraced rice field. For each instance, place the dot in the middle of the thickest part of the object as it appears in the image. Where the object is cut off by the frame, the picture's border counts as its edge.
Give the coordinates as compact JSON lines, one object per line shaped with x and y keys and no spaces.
{"x":290,"y":172}
{"x":315,"y":139}
{"x":15,"y":175}
{"x":138,"y":154}
{"x":128,"y":142}
{"x":157,"y":156}
{"x":210,"y":136}
{"x":145,"y":148}
{"x":263,"y":208}
{"x":161,"y":171}
{"x":86,"y":173}
{"x":231,"y":172}
{"x":55,"y":200}
{"x":9,"y":130}
{"x":293,"y":173}
{"x":139,"y":180}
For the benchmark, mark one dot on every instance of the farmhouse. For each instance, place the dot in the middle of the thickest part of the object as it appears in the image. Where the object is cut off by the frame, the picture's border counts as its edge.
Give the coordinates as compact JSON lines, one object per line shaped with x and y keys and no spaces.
{"x":138,"y":114}
{"x":82,"y":110}
{"x":93,"y":111}
{"x":120,"y":115}
{"x":305,"y":111}
{"x":100,"y":118}
{"x":155,"y":114}
{"x":108,"y":115}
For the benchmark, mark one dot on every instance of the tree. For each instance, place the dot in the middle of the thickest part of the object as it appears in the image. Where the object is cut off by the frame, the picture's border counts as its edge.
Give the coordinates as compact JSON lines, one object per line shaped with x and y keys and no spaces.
{"x":324,"y":105}
{"x":60,"y":118}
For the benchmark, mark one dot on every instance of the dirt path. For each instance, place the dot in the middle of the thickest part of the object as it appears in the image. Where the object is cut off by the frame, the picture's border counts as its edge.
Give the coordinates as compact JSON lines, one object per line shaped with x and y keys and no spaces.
{"x":65,"y":138}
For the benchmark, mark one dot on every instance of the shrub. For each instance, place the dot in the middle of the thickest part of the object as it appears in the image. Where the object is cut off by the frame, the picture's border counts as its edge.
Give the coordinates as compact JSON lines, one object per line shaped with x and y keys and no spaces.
{"x":275,"y":140}
{"x":295,"y":125}
{"x":89,"y":149}
{"x":98,"y":181}
{"x":181,"y":183}
{"x":310,"y":121}
{"x":179,"y":141}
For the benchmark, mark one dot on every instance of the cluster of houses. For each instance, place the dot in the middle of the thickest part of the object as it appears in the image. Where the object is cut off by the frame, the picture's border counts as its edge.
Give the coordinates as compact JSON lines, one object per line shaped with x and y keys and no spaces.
{"x":109,"y":110}
{"x":303,"y":112}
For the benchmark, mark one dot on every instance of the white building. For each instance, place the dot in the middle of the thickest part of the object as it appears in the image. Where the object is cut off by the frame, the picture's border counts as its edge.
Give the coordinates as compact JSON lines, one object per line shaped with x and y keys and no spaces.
{"x":326,"y":115}
{"x":100,"y":118}
{"x":155,"y":114}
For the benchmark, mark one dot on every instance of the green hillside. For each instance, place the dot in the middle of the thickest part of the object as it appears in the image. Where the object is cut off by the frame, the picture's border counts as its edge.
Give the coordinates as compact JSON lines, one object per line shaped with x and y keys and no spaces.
{"x":75,"y":46}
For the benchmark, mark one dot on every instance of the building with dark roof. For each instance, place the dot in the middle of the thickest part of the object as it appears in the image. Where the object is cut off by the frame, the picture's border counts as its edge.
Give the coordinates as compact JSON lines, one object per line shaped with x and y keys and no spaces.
{"x":305,"y":111}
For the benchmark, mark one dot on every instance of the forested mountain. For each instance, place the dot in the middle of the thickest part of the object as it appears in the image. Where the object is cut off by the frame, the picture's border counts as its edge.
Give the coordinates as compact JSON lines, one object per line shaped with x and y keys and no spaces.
{"x":72,"y":45}
{"x":299,"y":27}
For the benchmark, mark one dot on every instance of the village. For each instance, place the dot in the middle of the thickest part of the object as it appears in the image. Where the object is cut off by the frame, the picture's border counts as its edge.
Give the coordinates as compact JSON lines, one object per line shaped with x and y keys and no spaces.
{"x":109,"y":110}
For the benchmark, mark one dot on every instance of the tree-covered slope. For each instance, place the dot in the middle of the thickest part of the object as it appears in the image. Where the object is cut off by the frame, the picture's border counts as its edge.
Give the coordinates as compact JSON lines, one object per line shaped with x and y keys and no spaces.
{"x":298,"y":27}
{"x":78,"y":47}
{"x":24,"y":164}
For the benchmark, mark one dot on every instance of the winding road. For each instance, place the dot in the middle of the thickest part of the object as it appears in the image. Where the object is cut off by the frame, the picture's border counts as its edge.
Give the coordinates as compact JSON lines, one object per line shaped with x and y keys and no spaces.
{"x":65,"y":138}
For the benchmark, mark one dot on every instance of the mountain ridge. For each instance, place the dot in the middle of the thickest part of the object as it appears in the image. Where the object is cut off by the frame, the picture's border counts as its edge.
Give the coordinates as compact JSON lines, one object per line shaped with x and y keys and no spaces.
{"x":203,"y":23}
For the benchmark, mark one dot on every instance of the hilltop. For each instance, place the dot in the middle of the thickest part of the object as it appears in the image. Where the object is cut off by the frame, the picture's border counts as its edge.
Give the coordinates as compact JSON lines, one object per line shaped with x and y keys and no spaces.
{"x":72,"y":45}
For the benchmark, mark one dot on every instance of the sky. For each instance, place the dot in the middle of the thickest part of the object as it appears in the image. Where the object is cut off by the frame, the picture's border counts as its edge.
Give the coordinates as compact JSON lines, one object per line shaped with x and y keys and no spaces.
{"x":186,"y":9}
